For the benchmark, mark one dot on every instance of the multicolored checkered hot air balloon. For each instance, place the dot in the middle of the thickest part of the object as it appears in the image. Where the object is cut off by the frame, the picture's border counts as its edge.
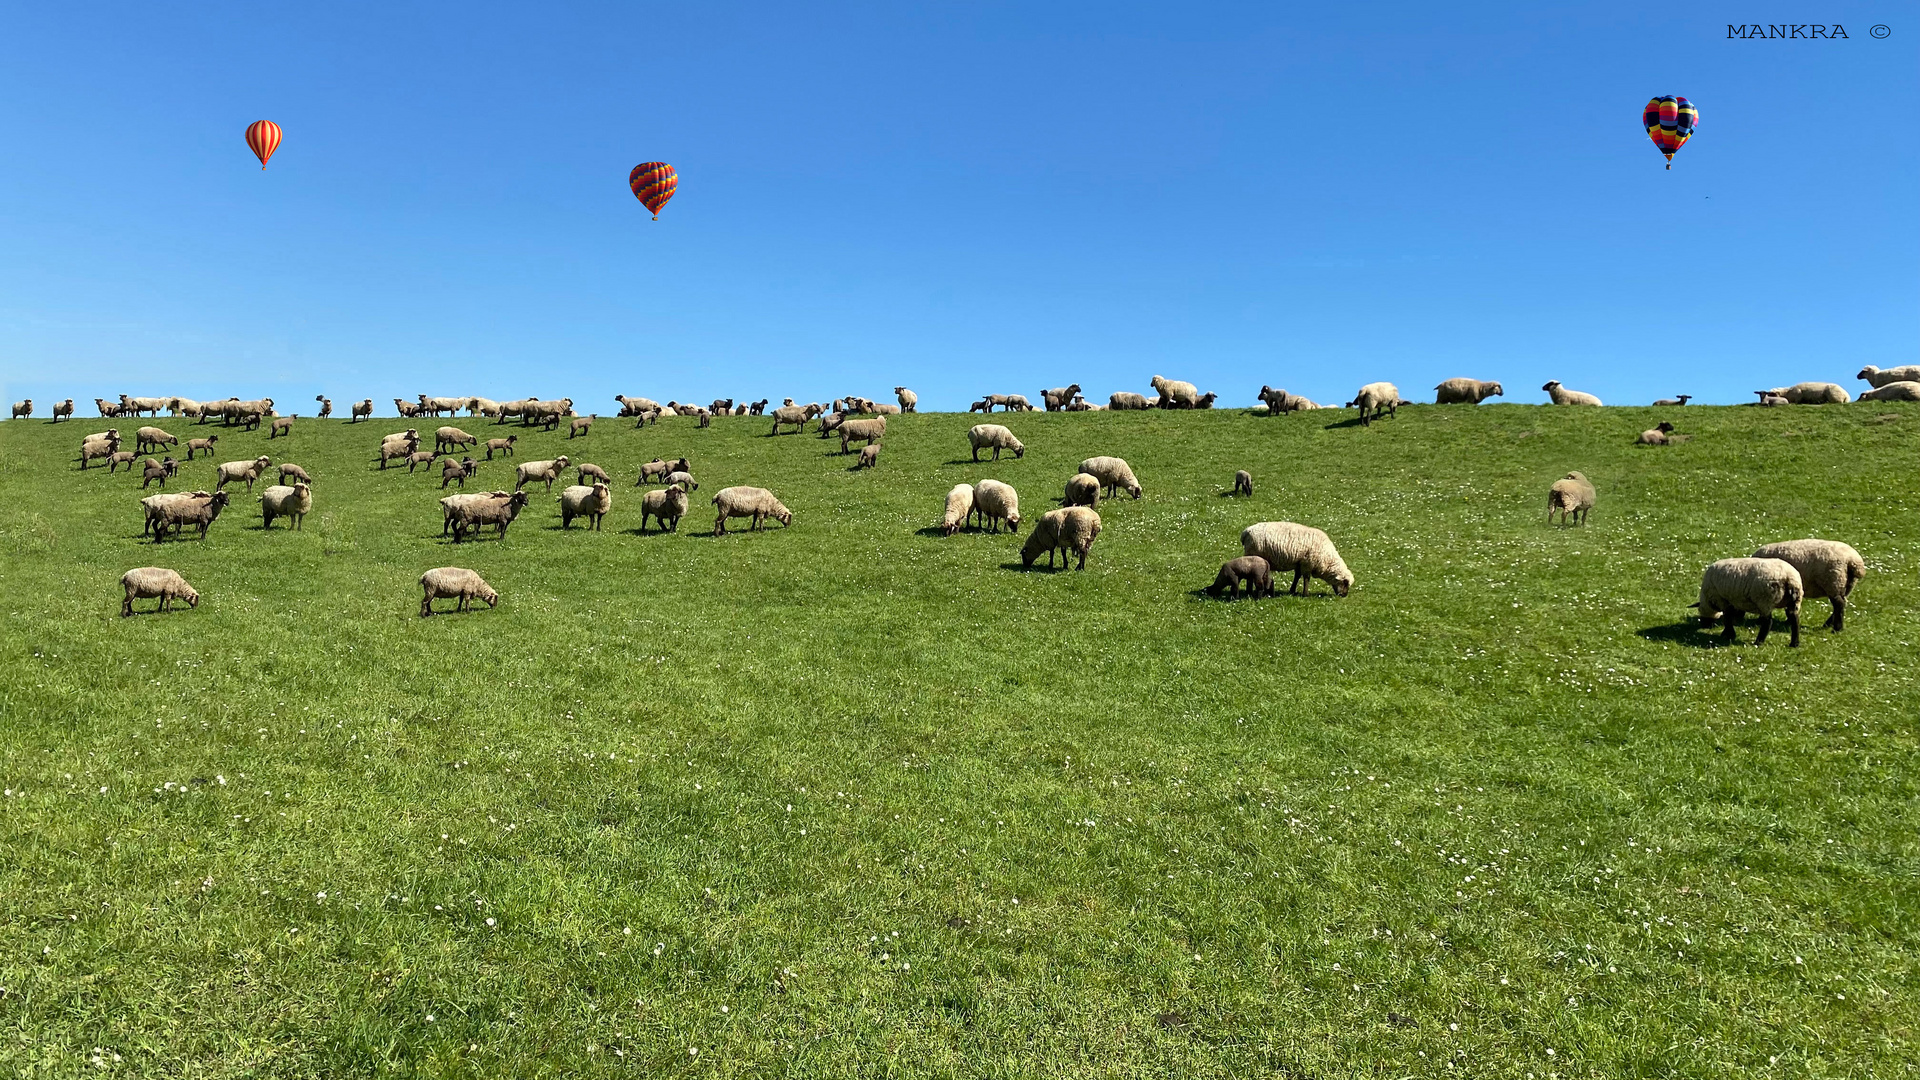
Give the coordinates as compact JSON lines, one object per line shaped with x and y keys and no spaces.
{"x":263,"y":138}
{"x":653,"y":183}
{"x":1670,"y":122}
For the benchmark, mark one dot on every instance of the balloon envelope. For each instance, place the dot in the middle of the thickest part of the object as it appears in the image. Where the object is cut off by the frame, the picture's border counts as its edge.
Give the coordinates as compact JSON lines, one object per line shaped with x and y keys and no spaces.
{"x":653,"y":183}
{"x":1670,"y":122}
{"x":263,"y":138}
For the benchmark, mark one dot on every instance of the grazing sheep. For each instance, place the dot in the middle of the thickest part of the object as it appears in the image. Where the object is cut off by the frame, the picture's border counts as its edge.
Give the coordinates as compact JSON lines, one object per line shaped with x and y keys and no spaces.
{"x":1733,"y":587}
{"x":1083,"y":489}
{"x":326,"y":406}
{"x":1173,"y":393}
{"x":1302,"y":549}
{"x":449,"y":439}
{"x":1243,"y":482}
{"x":1114,"y":473}
{"x":362,"y":410}
{"x":1375,"y":399}
{"x":148,"y":582}
{"x":666,"y":506}
{"x":547,"y":414}
{"x":1879,"y":377}
{"x":996,"y":502}
{"x":581,"y":425}
{"x":794,"y":416}
{"x":505,"y":446}
{"x":682,"y":480}
{"x":982,"y":436}
{"x":1827,"y":568}
{"x":119,"y":458}
{"x":452,"y":471}
{"x":1811,"y":393}
{"x":292,"y":503}
{"x":1017,"y":403}
{"x":1655,"y":436}
{"x":868,"y":431}
{"x":478,"y":514}
{"x":959,"y":509}
{"x":398,"y":446}
{"x":909,"y":401}
{"x":434,"y":406}
{"x":756,"y":503}
{"x":1070,"y":530}
{"x":1466,"y":391}
{"x":532,"y":471}
{"x":1563,"y":396}
{"x":1573,"y":495}
{"x":101,"y":445}
{"x":1906,"y":390}
{"x":1250,"y":571}
{"x":248,"y":471}
{"x":1669,"y":402}
{"x":593,"y":503}
{"x":23,"y":410}
{"x":446,"y":582}
{"x":421,"y":458}
{"x":1059,"y":397}
{"x":869,"y":457}
{"x":290,"y":470}
{"x":197,"y":509}
{"x":63,"y":410}
{"x":282,"y":425}
{"x":450,"y":505}
{"x":590,"y":472}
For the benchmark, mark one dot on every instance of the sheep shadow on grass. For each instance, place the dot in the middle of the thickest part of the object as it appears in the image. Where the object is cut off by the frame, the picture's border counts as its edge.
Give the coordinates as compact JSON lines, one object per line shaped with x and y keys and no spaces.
{"x":1686,"y":632}
{"x":1349,"y":422}
{"x":1037,"y":568}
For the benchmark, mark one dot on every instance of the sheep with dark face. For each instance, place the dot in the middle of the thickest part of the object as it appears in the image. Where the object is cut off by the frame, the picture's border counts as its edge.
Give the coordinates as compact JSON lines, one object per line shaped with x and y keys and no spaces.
{"x":290,"y":471}
{"x":505,"y":446}
{"x":666,"y":506}
{"x":1811,"y":393}
{"x":1305,"y":550}
{"x":1656,"y":435}
{"x":1243,"y":483}
{"x":1127,"y":400}
{"x":477,"y":515}
{"x":532,"y":472}
{"x":449,"y":439}
{"x":454,"y":582}
{"x":1466,"y":391}
{"x":23,"y":409}
{"x":197,"y":510}
{"x":1906,"y":390}
{"x":1114,"y":473}
{"x":1878,"y":377}
{"x":1248,"y":573}
{"x":1672,"y":402}
{"x":580,"y":500}
{"x":959,"y":508}
{"x":1083,"y":489}
{"x":150,"y":582}
{"x":397,"y":446}
{"x":457,"y":472}
{"x":869,"y":457}
{"x":996,"y":502}
{"x":994,"y":437}
{"x":1563,"y":396}
{"x":1733,"y":587}
{"x":292,"y":503}
{"x":104,"y":444}
{"x":1375,"y":400}
{"x":63,"y":410}
{"x":749,"y":502}
{"x":909,"y":401}
{"x":1059,"y":397}
{"x":326,"y":406}
{"x":1174,"y":394}
{"x":870,"y":431}
{"x":152,"y":438}
{"x":1070,"y":530}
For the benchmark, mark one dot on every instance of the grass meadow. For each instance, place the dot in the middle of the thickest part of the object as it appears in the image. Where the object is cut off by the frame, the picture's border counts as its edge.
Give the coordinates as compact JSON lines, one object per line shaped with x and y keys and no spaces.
{"x":850,"y":799}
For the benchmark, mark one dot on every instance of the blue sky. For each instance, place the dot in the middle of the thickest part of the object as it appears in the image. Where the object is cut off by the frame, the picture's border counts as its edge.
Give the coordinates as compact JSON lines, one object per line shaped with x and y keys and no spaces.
{"x":961,"y":197}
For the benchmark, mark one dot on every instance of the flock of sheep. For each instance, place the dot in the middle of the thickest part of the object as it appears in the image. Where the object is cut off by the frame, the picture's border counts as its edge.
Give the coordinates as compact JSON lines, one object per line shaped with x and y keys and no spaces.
{"x":1776,"y":577}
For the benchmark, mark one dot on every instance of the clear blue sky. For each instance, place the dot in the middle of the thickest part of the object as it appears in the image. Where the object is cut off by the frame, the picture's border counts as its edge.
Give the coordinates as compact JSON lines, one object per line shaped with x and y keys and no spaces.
{"x":961,"y":197}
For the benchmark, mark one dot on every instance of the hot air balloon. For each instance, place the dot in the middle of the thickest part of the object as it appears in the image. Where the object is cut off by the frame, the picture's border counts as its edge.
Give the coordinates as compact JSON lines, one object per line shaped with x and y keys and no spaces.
{"x":653,"y":183}
{"x":263,"y":138}
{"x":1670,"y":122}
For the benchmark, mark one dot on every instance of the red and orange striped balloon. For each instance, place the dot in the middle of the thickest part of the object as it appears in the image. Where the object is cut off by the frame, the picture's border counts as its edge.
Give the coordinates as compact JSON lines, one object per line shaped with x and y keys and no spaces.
{"x":263,"y":138}
{"x":653,"y":183}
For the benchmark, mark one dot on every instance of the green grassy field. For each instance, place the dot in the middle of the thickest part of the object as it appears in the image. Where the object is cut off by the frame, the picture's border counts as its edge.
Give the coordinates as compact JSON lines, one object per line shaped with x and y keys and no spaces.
{"x":853,"y":799}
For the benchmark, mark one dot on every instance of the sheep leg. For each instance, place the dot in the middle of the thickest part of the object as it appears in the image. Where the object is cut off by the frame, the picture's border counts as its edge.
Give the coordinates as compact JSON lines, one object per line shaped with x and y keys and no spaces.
{"x":976,"y":457}
{"x":1793,"y":627}
{"x":1766,"y":627}
{"x":1729,"y":619}
{"x":1083,"y":557}
{"x":126,"y":605}
{"x":1838,"y":620}
{"x":426,"y":603}
{"x":720,"y":525}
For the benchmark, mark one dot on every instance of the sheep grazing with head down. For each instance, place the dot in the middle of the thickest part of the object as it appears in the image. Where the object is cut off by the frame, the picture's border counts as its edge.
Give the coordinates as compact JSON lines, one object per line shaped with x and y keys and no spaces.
{"x":1466,"y":391}
{"x":457,"y":472}
{"x":1243,"y":483}
{"x":1656,"y":435}
{"x":532,"y":472}
{"x":749,"y":502}
{"x":1733,"y":587}
{"x":1083,"y":489}
{"x":666,"y":506}
{"x":448,"y":439}
{"x":1827,"y":568}
{"x":290,"y":471}
{"x":152,"y":438}
{"x":292,"y":503}
{"x":1571,"y":496}
{"x":397,"y":446}
{"x":1810,"y":393}
{"x":996,"y":502}
{"x":1907,"y":390}
{"x":1878,"y":377}
{"x":1563,"y":396}
{"x":994,"y":437}
{"x":1303,"y":549}
{"x":592,"y":503}
{"x":149,"y":582}
{"x":1114,"y":474}
{"x":1070,"y":530}
{"x":1248,"y":573}
{"x":959,"y":509}
{"x":589,"y":473}
{"x":454,"y":582}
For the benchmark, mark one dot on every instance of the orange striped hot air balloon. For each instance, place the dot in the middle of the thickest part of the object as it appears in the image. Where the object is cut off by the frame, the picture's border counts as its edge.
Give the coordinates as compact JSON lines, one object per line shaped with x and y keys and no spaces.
{"x":263,"y":138}
{"x":653,"y":183}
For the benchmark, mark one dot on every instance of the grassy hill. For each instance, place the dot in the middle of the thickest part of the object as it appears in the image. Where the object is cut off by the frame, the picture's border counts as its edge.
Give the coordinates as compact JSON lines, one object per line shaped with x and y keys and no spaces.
{"x":853,"y":799}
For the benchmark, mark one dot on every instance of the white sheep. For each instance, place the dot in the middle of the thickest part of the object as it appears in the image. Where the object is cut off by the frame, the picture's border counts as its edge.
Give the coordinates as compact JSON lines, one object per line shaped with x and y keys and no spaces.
{"x":1466,"y":391}
{"x":1657,"y":435}
{"x":870,"y":431}
{"x":535,"y":471}
{"x":452,"y":438}
{"x":592,"y":503}
{"x":996,"y":502}
{"x":1069,"y":530}
{"x":1811,"y":393}
{"x":292,"y":503}
{"x":909,"y":401}
{"x":148,"y":582}
{"x":1879,"y":377}
{"x":756,"y":503}
{"x":666,"y":506}
{"x":1732,"y":587}
{"x":1305,"y":550}
{"x":1127,"y":400}
{"x":249,"y":471}
{"x":959,"y":509}
{"x":1375,"y":399}
{"x":1083,"y":489}
{"x":1563,"y":396}
{"x":983,"y":436}
{"x":454,"y":581}
{"x":1827,"y":568}
{"x":153,"y":438}
{"x":1114,"y":474}
{"x":869,"y":457}
{"x":1903,"y":390}
{"x":1175,"y":394}
{"x":1572,"y":494}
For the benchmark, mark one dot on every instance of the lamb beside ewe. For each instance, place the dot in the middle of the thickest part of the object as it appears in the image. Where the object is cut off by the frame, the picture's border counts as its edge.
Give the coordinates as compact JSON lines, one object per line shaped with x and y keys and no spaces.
{"x":452,"y":471}
{"x":1827,"y":568}
{"x":148,"y":582}
{"x":1250,"y":571}
{"x":1810,"y":393}
{"x":984,"y":436}
{"x":204,"y":446}
{"x":1114,"y":474}
{"x":1733,"y":587}
{"x":1069,"y":530}
{"x":1466,"y":391}
{"x":666,"y":506}
{"x":292,"y":503}
{"x":1572,"y":494}
{"x":869,"y":457}
{"x":756,"y":503}
{"x":959,"y":509}
{"x":869,"y":431}
{"x":490,"y":509}
{"x":455,"y":582}
{"x":505,"y":446}
{"x":1302,"y":549}
{"x":592,"y":503}
{"x":996,"y":502}
{"x":171,"y":513}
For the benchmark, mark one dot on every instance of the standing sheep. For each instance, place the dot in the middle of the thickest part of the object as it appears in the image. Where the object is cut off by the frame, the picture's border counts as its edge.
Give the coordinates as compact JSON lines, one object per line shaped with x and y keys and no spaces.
{"x":152,"y":438}
{"x":1827,"y":568}
{"x":148,"y":582}
{"x":446,"y":582}
{"x":204,"y":446}
{"x":282,"y":425}
{"x":1572,"y":494}
{"x":23,"y":410}
{"x":1059,"y":397}
{"x":756,"y":503}
{"x":63,"y":410}
{"x":1305,"y":550}
{"x":1732,"y":587}
{"x":1070,"y":530}
{"x":1083,"y":489}
{"x":1114,"y":474}
{"x":1466,"y":391}
{"x":477,"y":515}
{"x":983,"y":436}
{"x":248,"y":471}
{"x":1243,"y":483}
{"x":1251,"y":571}
{"x":536,"y":471}
{"x":197,"y":509}
{"x":449,"y":439}
{"x":869,"y":431}
{"x":105,"y":444}
{"x":959,"y":509}
{"x":292,"y":503}
{"x":1175,"y":394}
{"x":593,"y":503}
{"x":869,"y":457}
{"x":666,"y":506}
{"x":326,"y":406}
{"x":360,"y":410}
{"x":589,"y":472}
{"x":1375,"y":399}
{"x":909,"y":401}
{"x":398,"y":446}
{"x":794,"y":416}
{"x":1879,"y":377}
{"x":581,"y":425}
{"x":1563,"y":396}
{"x":505,"y":446}
{"x":290,"y":470}
{"x":457,"y":472}
{"x":996,"y":502}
